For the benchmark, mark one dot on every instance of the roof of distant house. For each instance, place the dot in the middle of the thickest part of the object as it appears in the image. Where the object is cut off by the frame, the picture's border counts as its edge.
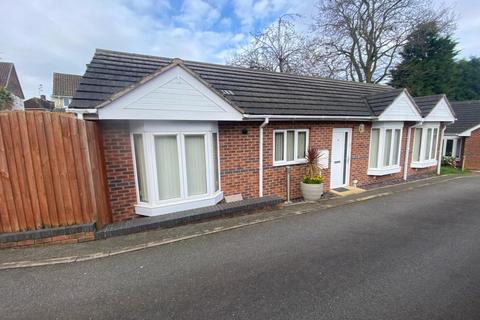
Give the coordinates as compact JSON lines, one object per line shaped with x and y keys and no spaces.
{"x":9,"y":79}
{"x":251,"y":91}
{"x":36,"y":103}
{"x":64,"y":84}
{"x":468,"y":116}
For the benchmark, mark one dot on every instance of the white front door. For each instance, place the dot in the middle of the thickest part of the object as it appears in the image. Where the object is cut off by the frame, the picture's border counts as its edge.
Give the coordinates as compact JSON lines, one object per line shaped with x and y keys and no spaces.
{"x":340,"y":167}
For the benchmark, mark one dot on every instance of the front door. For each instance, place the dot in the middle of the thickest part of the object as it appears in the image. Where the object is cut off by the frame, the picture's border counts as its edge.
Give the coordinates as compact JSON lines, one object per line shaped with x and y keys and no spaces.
{"x":340,"y":167}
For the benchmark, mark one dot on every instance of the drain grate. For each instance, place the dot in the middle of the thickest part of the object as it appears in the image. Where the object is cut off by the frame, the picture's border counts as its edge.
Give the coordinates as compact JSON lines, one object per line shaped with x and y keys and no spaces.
{"x":341,"y":189}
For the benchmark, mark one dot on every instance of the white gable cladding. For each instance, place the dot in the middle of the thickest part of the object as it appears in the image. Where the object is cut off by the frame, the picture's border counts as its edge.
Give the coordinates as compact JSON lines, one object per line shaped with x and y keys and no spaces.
{"x":441,"y":112}
{"x":401,"y":109}
{"x":172,"y":95}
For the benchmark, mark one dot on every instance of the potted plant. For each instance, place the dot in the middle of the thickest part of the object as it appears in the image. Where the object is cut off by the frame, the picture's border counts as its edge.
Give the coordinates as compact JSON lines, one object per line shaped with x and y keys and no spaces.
{"x":312,"y":183}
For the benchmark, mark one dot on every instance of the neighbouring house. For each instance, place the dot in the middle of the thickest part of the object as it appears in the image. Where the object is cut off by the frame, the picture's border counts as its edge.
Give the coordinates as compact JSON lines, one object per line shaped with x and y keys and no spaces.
{"x":181,"y":134}
{"x":39,"y":104}
{"x":9,"y":80}
{"x":462,"y":138}
{"x":64,"y":86}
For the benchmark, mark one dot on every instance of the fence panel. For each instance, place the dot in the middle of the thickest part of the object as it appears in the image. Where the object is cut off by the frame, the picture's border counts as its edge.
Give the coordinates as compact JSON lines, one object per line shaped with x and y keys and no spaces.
{"x":51,"y":172}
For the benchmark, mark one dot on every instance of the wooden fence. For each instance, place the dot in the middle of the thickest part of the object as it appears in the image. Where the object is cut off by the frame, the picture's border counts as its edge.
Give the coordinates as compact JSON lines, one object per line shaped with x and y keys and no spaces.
{"x":51,"y":170}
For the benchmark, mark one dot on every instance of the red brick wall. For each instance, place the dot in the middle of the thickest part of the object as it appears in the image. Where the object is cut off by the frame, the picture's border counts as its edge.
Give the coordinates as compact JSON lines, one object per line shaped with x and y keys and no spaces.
{"x":471,"y":151}
{"x":239,"y":157}
{"x":119,"y":167}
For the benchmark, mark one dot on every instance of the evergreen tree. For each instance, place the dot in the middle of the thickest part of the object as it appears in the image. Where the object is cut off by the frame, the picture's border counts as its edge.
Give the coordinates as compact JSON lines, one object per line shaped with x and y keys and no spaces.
{"x":468,"y":80}
{"x":428,"y":66}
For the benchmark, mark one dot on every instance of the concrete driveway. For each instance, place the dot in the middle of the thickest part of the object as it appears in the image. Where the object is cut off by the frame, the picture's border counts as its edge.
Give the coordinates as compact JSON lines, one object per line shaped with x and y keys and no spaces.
{"x":411,"y":255}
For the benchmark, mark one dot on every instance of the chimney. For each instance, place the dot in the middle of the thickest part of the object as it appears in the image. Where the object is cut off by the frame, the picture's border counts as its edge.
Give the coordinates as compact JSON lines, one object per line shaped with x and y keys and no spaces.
{"x":42,"y":96}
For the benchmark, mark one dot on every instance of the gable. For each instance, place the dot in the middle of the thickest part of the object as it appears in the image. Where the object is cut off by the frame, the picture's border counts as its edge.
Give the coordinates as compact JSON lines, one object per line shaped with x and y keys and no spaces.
{"x":401,"y":109}
{"x":441,"y":112}
{"x":171,"y":95}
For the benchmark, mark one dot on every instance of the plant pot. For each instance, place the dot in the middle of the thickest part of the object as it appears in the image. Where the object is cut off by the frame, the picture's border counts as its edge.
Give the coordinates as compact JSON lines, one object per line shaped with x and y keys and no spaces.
{"x":311,"y":192}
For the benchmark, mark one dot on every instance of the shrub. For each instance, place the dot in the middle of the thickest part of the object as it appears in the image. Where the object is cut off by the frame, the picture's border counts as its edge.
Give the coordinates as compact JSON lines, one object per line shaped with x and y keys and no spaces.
{"x":313,"y":174}
{"x":449,"y":161}
{"x":313,"y":180}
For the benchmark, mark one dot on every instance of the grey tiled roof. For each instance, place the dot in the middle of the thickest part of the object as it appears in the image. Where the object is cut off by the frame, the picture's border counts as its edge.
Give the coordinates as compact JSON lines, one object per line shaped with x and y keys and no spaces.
{"x":64,"y":84}
{"x":427,"y":103}
{"x":254,"y":92}
{"x":9,"y":79}
{"x":468,"y":116}
{"x":378,"y":102}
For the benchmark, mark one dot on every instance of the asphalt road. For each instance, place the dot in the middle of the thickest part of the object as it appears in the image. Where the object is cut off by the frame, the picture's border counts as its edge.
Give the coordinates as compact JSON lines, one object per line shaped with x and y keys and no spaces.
{"x":412,"y":255}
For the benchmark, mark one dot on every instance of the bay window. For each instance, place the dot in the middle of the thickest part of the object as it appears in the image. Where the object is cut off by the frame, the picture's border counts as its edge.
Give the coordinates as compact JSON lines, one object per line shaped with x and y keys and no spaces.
{"x":425,"y":142}
{"x":175,"y":170}
{"x":289,"y":146}
{"x":385,"y":144}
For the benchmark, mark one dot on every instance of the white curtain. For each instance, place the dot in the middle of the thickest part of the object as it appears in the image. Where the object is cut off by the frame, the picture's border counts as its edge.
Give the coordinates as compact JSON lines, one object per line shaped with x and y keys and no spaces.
{"x":290,"y":145}
{"x":196,"y":165}
{"x":168,"y":175}
{"x":374,"y":148}
{"x":279,"y":146}
{"x":387,"y":147}
{"x":429,"y":144}
{"x":417,"y":142}
{"x":434,"y":144}
{"x":215,"y":161}
{"x":302,"y":143}
{"x":396,"y":146}
{"x":140,"y":166}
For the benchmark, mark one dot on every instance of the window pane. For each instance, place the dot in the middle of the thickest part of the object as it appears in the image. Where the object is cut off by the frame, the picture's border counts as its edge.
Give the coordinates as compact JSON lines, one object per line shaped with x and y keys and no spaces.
{"x":449,"y":148}
{"x":215,"y":161}
{"x":387,"y":147}
{"x":417,"y":142}
{"x":196,"y":165}
{"x":290,"y":145}
{"x":396,"y":147}
{"x":302,"y":143}
{"x":434,"y":144}
{"x":168,"y":176}
{"x":279,"y":146}
{"x":140,"y":166}
{"x":429,"y":144}
{"x":459,"y":148}
{"x":374,"y":148}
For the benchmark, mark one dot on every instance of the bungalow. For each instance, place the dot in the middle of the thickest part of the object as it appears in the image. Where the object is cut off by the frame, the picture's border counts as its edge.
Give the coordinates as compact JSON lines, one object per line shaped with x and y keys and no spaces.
{"x":462,"y":139}
{"x":181,"y":134}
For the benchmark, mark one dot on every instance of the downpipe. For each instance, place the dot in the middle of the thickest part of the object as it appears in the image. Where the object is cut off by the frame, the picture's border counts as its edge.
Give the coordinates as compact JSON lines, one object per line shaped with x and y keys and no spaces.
{"x":260,"y":157}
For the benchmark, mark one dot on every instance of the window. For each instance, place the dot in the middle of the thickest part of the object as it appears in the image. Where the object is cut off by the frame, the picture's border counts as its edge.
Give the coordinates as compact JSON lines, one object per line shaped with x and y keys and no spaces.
{"x":425,"y":142}
{"x":66,"y":102}
{"x":175,"y":168}
{"x":140,"y":167}
{"x":453,"y":147}
{"x":290,"y":146}
{"x":385,"y":144}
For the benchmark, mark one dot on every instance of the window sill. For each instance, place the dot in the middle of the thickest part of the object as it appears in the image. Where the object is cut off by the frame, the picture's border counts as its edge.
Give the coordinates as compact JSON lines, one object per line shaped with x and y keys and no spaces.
{"x":289,"y":163}
{"x":423,"y":164}
{"x":383,"y":171}
{"x":180,"y":205}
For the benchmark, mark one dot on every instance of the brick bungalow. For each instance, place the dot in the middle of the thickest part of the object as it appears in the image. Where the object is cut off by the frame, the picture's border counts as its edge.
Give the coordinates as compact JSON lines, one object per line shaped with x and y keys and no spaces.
{"x":183,"y":134}
{"x":462,"y":139}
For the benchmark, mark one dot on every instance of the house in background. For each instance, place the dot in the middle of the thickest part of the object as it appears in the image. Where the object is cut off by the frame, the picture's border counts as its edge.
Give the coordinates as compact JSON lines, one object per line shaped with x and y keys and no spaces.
{"x":180,"y":134}
{"x":64,"y":86}
{"x":462,"y":139}
{"x":39,"y":104}
{"x":9,"y":80}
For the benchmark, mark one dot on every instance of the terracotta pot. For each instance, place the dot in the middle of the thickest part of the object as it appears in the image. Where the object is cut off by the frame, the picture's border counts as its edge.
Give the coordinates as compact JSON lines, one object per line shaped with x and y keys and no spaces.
{"x":311,"y":192}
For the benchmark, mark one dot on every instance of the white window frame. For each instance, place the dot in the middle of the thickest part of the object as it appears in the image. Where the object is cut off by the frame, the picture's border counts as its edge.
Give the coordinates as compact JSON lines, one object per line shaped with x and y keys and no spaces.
{"x":69,"y":101}
{"x":432,"y":159}
{"x":295,"y":160}
{"x":381,"y":170}
{"x":156,"y":206}
{"x":456,"y":146}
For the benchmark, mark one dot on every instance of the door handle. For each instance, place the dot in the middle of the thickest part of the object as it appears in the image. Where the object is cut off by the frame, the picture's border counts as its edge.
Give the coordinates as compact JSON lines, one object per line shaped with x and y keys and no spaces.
{"x":338,"y":161}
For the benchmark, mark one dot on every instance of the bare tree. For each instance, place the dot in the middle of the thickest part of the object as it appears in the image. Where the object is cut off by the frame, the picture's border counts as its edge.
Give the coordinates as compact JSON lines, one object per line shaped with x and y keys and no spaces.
{"x":361,"y":39}
{"x":278,"y":47}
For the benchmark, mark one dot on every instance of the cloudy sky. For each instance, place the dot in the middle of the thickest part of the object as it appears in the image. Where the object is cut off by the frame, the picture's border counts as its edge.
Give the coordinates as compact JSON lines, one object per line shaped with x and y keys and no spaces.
{"x":46,"y":36}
